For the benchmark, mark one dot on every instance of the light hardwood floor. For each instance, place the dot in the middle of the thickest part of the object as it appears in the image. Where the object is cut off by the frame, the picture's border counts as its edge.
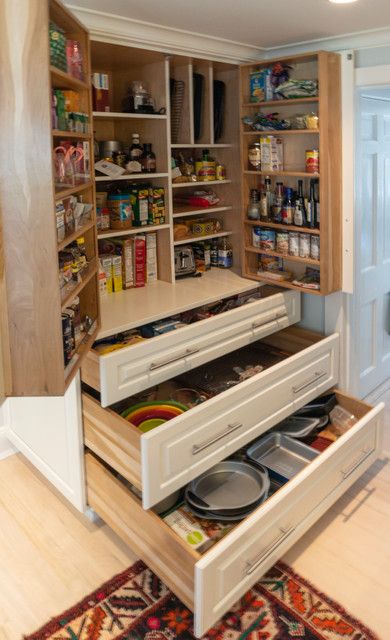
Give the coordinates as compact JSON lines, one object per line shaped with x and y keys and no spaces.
{"x":50,"y":557}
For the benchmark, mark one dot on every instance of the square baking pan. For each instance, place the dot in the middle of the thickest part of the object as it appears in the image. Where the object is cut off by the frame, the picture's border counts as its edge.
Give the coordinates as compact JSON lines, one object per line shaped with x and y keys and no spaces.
{"x":284,"y":457}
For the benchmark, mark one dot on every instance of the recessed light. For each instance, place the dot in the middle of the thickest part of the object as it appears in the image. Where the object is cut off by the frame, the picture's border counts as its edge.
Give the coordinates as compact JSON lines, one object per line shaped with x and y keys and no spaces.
{"x":342,"y":1}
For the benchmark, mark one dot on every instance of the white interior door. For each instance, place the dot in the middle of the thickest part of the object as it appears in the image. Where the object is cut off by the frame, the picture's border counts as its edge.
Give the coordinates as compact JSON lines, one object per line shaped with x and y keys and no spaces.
{"x":372,"y":299}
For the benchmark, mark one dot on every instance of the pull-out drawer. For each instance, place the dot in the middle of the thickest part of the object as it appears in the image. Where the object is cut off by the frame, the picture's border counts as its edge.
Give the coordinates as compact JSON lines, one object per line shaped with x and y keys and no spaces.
{"x":132,"y":369}
{"x":211,"y":583}
{"x":162,"y":460}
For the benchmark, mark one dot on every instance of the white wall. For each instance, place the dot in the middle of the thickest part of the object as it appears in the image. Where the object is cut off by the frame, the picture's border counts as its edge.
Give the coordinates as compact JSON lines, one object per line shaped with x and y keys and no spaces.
{"x":6,"y":448}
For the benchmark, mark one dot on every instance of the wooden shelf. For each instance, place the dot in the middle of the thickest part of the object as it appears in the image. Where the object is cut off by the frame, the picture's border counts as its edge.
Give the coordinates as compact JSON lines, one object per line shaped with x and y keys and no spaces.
{"x":283,"y":132}
{"x":70,"y":191}
{"x":293,"y":174}
{"x":76,"y":234}
{"x":111,"y":233}
{"x":182,"y":212}
{"x":117,"y":115}
{"x":177,"y":185}
{"x":220,"y":234}
{"x":132,"y":176}
{"x":280,"y":103}
{"x":282,"y":227}
{"x":69,"y":292}
{"x":62,"y":80}
{"x":57,"y":133}
{"x":84,"y":346}
{"x":314,"y":263}
{"x":135,"y":307}
{"x":284,"y":283}
{"x":206,"y":145}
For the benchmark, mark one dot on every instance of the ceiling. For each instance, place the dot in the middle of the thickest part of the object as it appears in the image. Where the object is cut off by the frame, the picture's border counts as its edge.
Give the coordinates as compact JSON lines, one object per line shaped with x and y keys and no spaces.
{"x":262,"y":23}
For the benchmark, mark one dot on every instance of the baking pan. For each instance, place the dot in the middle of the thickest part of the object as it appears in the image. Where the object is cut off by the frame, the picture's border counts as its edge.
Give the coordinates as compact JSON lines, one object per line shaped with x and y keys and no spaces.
{"x":229,"y":485}
{"x":232,"y":517}
{"x":284,"y":457}
{"x":319,"y":407}
{"x":298,"y":426}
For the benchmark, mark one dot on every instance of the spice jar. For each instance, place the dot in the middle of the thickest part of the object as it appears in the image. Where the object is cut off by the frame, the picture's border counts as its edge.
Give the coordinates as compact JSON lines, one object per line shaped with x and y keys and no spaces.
{"x":304,"y":245}
{"x":315,"y":247}
{"x":254,"y":156}
{"x":282,"y":243}
{"x":148,"y":159}
{"x":293,"y":243}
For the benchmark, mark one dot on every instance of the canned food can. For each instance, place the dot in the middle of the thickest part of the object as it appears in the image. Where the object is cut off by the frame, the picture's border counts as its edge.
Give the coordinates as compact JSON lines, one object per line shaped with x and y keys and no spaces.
{"x":304,"y":245}
{"x":282,"y":243}
{"x":267,"y":239}
{"x":293,"y":243}
{"x":315,"y":247}
{"x":312,"y":161}
{"x":256,"y":231}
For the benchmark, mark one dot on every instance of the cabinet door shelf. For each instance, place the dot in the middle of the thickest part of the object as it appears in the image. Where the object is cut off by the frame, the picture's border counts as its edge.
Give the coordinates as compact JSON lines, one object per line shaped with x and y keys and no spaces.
{"x":58,"y":133}
{"x":282,"y":227}
{"x":220,"y":234}
{"x":281,"y":283}
{"x":76,"y":234}
{"x":315,"y":263}
{"x":62,"y":80}
{"x":73,"y":190}
{"x":82,"y":349}
{"x":71,"y":291}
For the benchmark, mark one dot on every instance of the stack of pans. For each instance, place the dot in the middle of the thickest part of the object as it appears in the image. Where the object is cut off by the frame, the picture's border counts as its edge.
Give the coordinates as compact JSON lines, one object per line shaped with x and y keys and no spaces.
{"x":229,"y":491}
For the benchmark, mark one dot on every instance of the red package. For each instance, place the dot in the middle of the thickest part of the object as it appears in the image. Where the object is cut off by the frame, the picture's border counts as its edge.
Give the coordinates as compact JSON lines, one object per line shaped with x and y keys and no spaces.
{"x":139,"y":261}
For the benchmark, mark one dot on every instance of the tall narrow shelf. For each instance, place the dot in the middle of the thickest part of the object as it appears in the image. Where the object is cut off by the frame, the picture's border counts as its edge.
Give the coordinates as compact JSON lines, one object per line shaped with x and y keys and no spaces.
{"x":324,"y":67}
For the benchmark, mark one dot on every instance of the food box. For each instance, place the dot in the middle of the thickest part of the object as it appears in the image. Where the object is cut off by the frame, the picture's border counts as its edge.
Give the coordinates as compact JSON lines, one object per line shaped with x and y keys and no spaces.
{"x":151,"y":257}
{"x":260,"y":85}
{"x":139,"y":261}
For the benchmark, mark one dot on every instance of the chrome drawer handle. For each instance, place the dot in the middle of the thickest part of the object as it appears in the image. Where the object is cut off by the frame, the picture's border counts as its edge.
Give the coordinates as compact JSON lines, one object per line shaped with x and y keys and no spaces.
{"x":197,"y":448}
{"x":366,"y":454}
{"x":317,"y":376}
{"x":284,"y":534}
{"x":264,"y":322}
{"x":180,"y":356}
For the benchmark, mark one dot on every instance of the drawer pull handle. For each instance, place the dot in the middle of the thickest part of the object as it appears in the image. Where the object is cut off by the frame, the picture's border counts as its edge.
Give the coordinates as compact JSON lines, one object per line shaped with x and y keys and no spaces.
{"x":284,"y":534}
{"x":197,"y":448}
{"x":366,"y":454}
{"x":264,"y":322}
{"x":317,"y":376}
{"x":180,"y":356}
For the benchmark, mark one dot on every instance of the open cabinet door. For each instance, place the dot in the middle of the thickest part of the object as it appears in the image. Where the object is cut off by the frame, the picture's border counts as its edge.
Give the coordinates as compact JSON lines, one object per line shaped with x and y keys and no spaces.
{"x":4,"y":344}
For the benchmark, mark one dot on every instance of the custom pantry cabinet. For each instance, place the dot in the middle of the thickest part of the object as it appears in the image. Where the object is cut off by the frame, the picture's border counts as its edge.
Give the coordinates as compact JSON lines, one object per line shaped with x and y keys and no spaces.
{"x":160,"y":462}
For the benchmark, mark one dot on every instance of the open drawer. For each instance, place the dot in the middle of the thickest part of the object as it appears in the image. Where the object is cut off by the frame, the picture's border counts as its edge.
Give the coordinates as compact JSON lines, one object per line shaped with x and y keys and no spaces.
{"x":137,"y":367}
{"x":162,"y":460}
{"x":211,"y":583}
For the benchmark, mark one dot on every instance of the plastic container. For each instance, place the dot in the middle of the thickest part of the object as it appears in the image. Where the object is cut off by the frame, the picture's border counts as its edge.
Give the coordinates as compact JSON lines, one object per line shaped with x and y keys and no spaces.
{"x":120,"y":211}
{"x":341,"y":419}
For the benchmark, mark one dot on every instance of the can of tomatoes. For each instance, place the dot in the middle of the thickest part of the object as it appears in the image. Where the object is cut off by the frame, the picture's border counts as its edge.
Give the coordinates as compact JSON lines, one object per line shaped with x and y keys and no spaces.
{"x":312,"y":161}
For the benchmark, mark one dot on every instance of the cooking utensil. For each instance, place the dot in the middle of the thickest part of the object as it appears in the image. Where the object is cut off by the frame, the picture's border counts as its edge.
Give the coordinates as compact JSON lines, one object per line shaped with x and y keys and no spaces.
{"x":298,"y":426}
{"x":284,"y":457}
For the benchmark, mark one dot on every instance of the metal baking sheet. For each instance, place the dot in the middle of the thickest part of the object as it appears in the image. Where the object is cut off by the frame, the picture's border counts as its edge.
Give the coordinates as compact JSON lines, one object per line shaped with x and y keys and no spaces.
{"x":298,"y":426}
{"x":284,"y":457}
{"x":230,"y":484}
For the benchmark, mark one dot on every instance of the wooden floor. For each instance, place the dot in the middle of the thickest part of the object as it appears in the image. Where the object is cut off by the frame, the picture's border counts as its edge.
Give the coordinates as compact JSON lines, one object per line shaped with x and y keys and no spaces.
{"x":50,"y":557}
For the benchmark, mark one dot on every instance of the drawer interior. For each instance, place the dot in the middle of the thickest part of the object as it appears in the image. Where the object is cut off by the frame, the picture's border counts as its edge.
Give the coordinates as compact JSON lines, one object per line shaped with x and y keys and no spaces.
{"x":131,"y":511}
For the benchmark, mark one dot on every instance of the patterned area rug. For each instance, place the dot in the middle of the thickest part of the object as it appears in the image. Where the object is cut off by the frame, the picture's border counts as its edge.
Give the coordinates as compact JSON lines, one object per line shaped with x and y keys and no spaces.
{"x":136,"y":605}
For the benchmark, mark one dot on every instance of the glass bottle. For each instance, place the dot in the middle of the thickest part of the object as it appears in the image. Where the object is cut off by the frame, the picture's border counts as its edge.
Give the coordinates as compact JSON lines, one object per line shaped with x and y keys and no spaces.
{"x":300,"y":219}
{"x":317,"y":201}
{"x":134,"y":165}
{"x":214,"y":253}
{"x":225,"y":254}
{"x":253,"y":210}
{"x":278,"y":203}
{"x":148,"y":159}
{"x":311,"y":207}
{"x":269,"y":196}
{"x":288,"y":207}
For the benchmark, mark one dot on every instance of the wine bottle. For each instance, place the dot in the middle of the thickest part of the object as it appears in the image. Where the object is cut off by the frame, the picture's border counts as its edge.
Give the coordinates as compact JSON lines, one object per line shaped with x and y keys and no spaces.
{"x":300,"y":216}
{"x":311,"y":207}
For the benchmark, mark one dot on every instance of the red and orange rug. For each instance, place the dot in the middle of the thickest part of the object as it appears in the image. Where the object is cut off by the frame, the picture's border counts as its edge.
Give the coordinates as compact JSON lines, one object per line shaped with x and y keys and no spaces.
{"x":136,"y":605}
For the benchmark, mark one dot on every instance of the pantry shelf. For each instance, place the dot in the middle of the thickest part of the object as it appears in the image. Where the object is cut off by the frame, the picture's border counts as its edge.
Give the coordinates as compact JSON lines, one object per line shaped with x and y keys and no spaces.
{"x":134,"y":307}
{"x":69,"y":191}
{"x":182,"y":212}
{"x":69,"y":292}
{"x":315,"y":263}
{"x":62,"y":80}
{"x":76,"y":234}
{"x":292,"y":174}
{"x":220,"y":234}
{"x":285,"y":283}
{"x":133,"y":231}
{"x":282,"y":227}
{"x":177,"y":185}
{"x":132,"y":176}
{"x":280,"y":103}
{"x":57,"y":133}
{"x":282,"y":132}
{"x":117,"y":115}
{"x":205,"y":145}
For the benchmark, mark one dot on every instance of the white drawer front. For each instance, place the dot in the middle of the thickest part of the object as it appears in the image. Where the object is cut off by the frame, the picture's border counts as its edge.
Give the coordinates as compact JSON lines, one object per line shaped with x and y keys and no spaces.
{"x":183,"y":448}
{"x":229,"y":569}
{"x":131,"y":370}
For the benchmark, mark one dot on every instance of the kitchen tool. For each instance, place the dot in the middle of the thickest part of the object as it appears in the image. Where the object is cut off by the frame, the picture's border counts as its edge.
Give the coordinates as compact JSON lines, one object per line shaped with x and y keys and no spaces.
{"x":108,"y":147}
{"x":298,"y":426}
{"x":318,"y":407}
{"x":284,"y":457}
{"x":229,"y":485}
{"x":188,"y":397}
{"x":177,"y":88}
{"x":152,"y":403}
{"x":198,"y":88}
{"x":184,"y":261}
{"x":164,"y":412}
{"x":219,"y":108}
{"x":167,"y":503}
{"x":211,"y":515}
{"x":148,"y":425}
